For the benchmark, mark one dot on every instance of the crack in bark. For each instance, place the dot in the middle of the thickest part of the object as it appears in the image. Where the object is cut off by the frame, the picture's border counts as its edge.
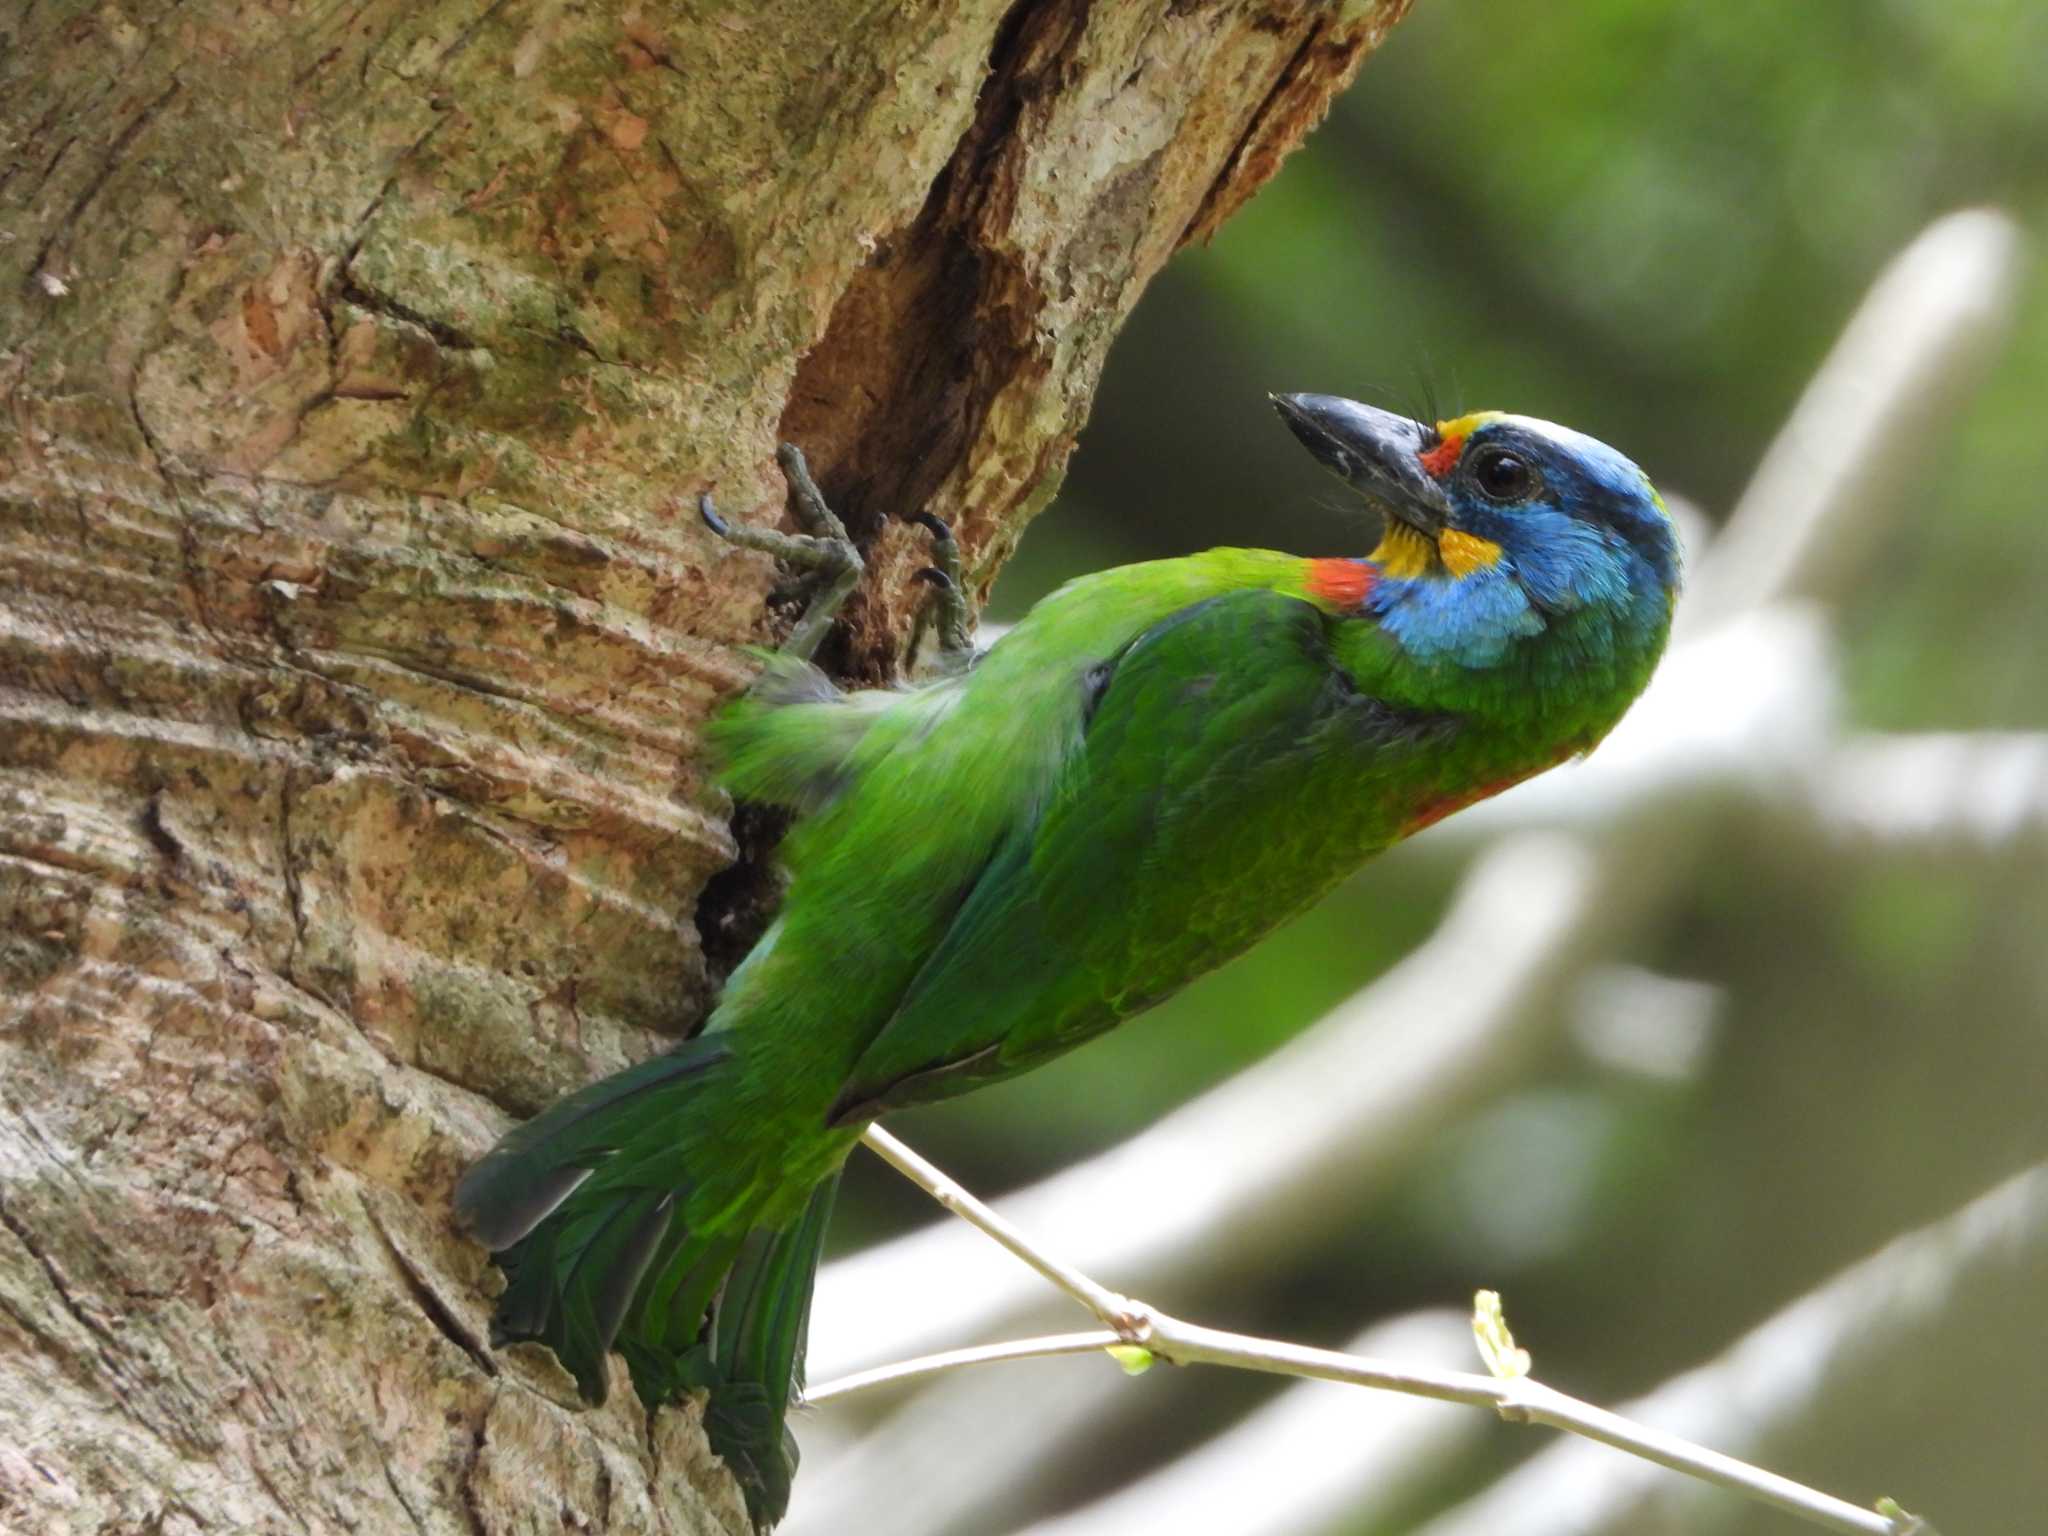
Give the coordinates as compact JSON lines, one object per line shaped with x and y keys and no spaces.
{"x":150,"y":442}
{"x":468,"y":34}
{"x":115,"y":153}
{"x":605,"y":1491}
{"x":60,"y":1286}
{"x":436,"y":1311}
{"x":442,"y":117}
{"x":294,"y":894}
{"x":937,"y":323}
{"x":1239,"y":176}
{"x":569,"y":335}
{"x":190,"y":566}
{"x":55,"y":160}
{"x":472,"y":1501}
{"x":264,"y":1480}
{"x":444,"y":334}
{"x":342,"y":27}
{"x":398,"y":1493}
{"x":1226,"y":178}
{"x":159,"y":836}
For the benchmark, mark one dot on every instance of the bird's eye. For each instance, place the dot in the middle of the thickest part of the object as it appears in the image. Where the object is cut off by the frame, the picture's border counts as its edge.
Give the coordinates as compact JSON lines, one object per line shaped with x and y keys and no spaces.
{"x":1503,"y":476}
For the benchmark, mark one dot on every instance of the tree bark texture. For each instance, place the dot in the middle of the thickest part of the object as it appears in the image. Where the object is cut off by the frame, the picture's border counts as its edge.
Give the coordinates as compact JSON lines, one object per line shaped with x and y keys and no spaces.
{"x":360,"y":364}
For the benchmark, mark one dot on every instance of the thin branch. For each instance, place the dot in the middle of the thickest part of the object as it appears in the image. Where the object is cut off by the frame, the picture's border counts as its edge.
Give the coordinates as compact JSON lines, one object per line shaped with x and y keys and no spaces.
{"x":1523,"y":1401}
{"x":1116,"y":1312}
{"x":1876,"y":1348}
{"x":1352,"y":1458}
{"x":1516,"y":1398}
{"x":1045,"y":1347}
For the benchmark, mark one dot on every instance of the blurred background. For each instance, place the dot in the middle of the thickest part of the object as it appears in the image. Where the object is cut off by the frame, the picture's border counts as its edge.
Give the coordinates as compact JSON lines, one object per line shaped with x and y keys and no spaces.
{"x":1799,"y":1005}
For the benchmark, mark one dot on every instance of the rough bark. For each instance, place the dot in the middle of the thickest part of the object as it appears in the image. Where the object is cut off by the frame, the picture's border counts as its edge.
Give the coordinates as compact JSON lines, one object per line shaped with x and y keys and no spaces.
{"x":360,"y":362}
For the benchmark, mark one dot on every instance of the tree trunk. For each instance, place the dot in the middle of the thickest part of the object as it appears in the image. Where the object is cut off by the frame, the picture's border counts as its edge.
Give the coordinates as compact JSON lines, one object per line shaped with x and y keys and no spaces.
{"x":361,"y":363}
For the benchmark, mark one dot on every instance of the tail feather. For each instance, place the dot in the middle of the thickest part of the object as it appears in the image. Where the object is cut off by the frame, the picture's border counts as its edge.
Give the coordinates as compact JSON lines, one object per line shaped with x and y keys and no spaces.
{"x":664,"y":1344}
{"x":766,"y":1304}
{"x":758,"y":1339}
{"x":611,"y":1285}
{"x":588,"y":1209}
{"x":531,"y":1172}
{"x":571,"y":1282}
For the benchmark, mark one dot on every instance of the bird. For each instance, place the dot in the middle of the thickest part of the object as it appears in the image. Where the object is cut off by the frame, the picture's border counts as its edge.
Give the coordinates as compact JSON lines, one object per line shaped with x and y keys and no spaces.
{"x":1157,"y":765}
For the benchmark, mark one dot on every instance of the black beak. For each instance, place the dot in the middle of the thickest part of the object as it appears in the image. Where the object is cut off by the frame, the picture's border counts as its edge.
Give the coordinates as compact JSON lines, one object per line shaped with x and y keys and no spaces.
{"x":1376,"y":453}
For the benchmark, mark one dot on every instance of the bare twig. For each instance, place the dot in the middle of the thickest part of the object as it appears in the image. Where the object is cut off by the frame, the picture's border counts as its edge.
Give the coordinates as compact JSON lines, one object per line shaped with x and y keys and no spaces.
{"x":1044,"y":1347}
{"x":1875,"y":1340}
{"x":1116,"y":1312}
{"x":1348,"y":1456}
{"x":1516,"y":1398}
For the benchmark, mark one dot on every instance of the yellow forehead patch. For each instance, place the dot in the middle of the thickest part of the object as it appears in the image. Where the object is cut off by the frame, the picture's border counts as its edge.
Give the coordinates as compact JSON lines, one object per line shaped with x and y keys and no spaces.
{"x":1465,"y":426}
{"x":1463,"y":553}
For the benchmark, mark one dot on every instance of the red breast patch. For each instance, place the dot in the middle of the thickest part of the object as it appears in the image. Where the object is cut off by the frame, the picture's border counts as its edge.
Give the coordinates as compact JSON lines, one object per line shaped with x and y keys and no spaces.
{"x":1436,"y":810}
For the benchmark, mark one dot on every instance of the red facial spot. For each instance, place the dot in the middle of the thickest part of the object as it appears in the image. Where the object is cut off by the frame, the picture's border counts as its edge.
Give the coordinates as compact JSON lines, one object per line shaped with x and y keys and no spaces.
{"x":1443,"y":458}
{"x":1340,"y":583}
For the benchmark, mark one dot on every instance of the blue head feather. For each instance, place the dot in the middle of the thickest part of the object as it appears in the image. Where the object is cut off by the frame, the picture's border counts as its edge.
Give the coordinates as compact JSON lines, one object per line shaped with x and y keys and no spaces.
{"x":1578,"y":527}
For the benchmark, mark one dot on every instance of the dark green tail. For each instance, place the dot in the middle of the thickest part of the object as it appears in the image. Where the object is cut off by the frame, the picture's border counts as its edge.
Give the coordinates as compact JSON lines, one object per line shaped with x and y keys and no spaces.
{"x":584,"y":1207}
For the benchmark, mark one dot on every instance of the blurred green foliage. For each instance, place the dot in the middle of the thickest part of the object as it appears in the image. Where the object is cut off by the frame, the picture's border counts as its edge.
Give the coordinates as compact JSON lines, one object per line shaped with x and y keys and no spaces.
{"x":1649,"y":221}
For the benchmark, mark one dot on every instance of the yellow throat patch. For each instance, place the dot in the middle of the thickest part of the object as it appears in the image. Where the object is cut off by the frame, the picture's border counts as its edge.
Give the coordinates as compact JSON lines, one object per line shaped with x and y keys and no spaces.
{"x":1404,"y":553}
{"x":1464,"y":553}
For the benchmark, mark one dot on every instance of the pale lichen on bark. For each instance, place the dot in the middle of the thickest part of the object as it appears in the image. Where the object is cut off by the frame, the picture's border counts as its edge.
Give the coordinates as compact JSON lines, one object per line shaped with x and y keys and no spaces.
{"x":359,"y":365}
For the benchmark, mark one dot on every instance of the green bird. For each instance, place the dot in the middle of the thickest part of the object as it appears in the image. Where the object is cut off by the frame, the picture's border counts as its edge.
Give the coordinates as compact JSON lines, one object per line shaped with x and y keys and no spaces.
{"x":1158,"y":765}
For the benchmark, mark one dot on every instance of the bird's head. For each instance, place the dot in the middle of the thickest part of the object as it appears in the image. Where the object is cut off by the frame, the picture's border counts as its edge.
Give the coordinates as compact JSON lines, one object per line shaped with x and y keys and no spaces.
{"x":1569,"y":520}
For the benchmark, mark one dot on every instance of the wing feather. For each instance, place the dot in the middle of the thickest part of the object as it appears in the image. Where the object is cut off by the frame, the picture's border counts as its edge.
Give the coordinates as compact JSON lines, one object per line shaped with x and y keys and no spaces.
{"x":1225,"y":778}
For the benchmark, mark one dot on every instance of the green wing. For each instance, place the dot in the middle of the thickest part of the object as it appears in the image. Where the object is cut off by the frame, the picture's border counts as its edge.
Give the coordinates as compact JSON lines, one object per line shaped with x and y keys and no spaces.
{"x":1228,"y":773}
{"x":793,"y":739}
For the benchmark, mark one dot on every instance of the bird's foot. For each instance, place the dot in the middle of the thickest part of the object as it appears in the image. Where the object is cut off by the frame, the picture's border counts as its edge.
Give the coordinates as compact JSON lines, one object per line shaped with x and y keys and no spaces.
{"x":947,"y":610}
{"x":824,"y":549}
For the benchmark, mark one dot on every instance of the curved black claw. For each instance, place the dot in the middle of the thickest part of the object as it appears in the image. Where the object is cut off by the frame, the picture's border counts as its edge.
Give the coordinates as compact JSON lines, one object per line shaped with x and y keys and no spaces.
{"x":932,"y":576}
{"x":936,"y":526}
{"x":712,"y":520}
